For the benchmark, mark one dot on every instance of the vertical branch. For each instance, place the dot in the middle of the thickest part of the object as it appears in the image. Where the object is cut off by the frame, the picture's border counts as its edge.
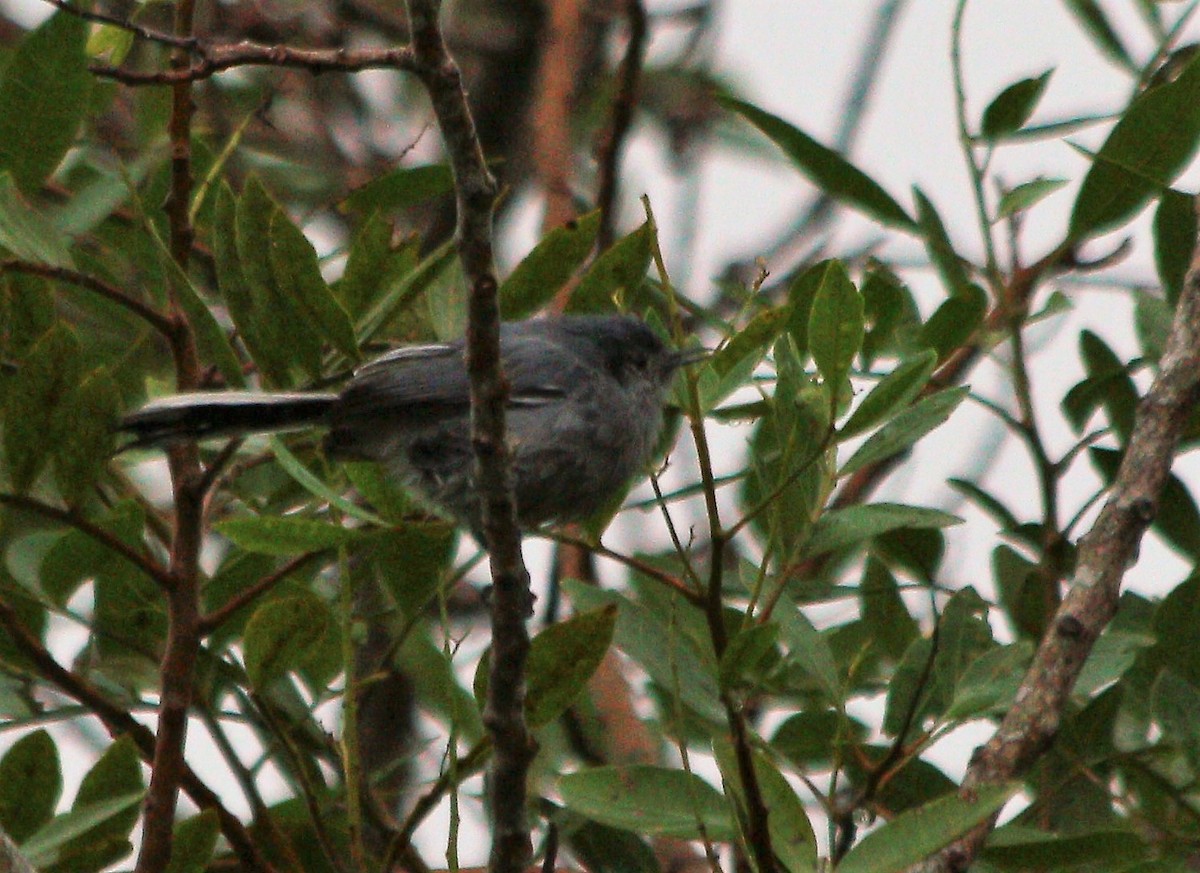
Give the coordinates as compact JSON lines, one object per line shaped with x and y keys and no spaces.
{"x":183,"y":591}
{"x":1104,"y":554}
{"x":476,"y":192}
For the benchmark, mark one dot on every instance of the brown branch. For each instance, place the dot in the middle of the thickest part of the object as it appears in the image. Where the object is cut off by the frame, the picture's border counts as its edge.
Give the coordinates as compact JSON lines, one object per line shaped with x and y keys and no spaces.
{"x":106,"y":538}
{"x":476,"y":190}
{"x":225,"y":611}
{"x":608,"y":152}
{"x":1105,"y":553}
{"x":90,"y":283}
{"x":551,"y":116}
{"x":177,"y":669}
{"x":123,"y":23}
{"x":118,"y":722}
{"x":212,"y":59}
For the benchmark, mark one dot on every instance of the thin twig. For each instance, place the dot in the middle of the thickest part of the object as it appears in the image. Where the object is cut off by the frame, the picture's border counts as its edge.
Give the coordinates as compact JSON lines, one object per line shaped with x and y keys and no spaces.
{"x":141,"y":560}
{"x":1104,"y":555}
{"x":213,"y":58}
{"x":246,"y":596}
{"x":125,"y":24}
{"x":90,"y":283}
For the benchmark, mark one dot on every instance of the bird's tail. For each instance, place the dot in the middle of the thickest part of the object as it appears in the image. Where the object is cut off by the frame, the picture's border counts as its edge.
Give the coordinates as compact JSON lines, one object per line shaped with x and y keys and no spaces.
{"x":225,"y":413}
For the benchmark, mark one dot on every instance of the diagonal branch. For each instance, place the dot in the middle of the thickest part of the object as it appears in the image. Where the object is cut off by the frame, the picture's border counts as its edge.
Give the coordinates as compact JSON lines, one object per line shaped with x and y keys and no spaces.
{"x":1104,"y":554}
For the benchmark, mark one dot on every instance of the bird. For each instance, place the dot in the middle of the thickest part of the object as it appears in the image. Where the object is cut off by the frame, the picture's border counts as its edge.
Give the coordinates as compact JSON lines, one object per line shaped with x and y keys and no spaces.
{"x":585,"y":409}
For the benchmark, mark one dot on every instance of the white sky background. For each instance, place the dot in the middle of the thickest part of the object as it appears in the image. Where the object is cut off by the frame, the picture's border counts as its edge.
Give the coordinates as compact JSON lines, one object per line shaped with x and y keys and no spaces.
{"x":795,"y":58}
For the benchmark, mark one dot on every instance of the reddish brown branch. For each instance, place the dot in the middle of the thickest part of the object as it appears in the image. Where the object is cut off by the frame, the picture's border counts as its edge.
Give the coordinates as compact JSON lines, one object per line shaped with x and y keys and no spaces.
{"x":123,"y":23}
{"x":222,"y":614}
{"x":1107,"y":550}
{"x":476,"y":192}
{"x":118,"y":722}
{"x":97,"y":286}
{"x":108,"y":539}
{"x":212,"y":59}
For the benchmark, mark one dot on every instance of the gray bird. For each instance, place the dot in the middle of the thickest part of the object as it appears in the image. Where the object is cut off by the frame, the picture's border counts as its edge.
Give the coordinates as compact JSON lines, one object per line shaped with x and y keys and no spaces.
{"x":584,"y":414}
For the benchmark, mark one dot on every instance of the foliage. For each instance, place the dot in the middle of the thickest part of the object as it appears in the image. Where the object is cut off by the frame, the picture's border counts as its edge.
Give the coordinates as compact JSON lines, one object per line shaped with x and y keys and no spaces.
{"x":327,"y":617}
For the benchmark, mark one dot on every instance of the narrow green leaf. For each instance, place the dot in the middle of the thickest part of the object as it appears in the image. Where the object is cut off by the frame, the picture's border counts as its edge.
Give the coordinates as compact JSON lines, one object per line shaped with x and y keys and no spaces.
{"x":43,"y":848}
{"x":543,"y":272}
{"x":1103,"y":34}
{"x":616,"y":275}
{"x":297,"y":275}
{"x":283,"y":634}
{"x":884,"y":614}
{"x":835,"y":325}
{"x":1011,"y":108}
{"x":906,"y":428}
{"x":1152,"y":320}
{"x":1026,"y":195}
{"x":1146,"y":150}
{"x":1176,"y":702}
{"x":1174,"y":239}
{"x":832,"y":173}
{"x":25,"y":233}
{"x":989,"y":685}
{"x":270,"y":359}
{"x":305,"y":477}
{"x":954,"y":323}
{"x":808,"y":647}
{"x":30,"y":785}
{"x":941,"y":249}
{"x":1000,"y":513}
{"x":649,"y":800}
{"x":845,"y":527}
{"x":370,"y":265}
{"x":88,"y":415}
{"x":400,"y":188}
{"x":43,"y":98}
{"x":918,"y":833}
{"x":750,"y":652}
{"x":894,"y":392}
{"x":283,"y":535}
{"x":47,"y":377}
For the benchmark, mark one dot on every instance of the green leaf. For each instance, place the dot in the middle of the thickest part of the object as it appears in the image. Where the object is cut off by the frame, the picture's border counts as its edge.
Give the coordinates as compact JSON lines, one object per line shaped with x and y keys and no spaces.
{"x":46,"y":378}
{"x":282,"y":635}
{"x":1022,"y":591}
{"x":750,"y":651}
{"x":808,"y":647}
{"x":1152,"y":320}
{"x":835,"y":325}
{"x":400,"y":188}
{"x":832,"y":173}
{"x":734,"y":363}
{"x":1108,"y":385}
{"x":43,"y":98}
{"x":954,"y":323}
{"x":914,"y":835}
{"x":989,"y":685}
{"x":1150,"y":145}
{"x":888,"y":621}
{"x":283,"y":535}
{"x":1012,"y":107}
{"x":1113,"y":654}
{"x":1018,"y":847}
{"x":648,"y":800}
{"x":792,"y":837}
{"x":544,"y":271}
{"x":941,"y":249}
{"x":30,"y":785}
{"x":891,"y":314}
{"x":370,"y":264}
{"x":840,"y":528}
{"x":282,"y":325}
{"x":906,"y":428}
{"x":25,"y":233}
{"x":298,"y":276}
{"x":562,"y":659}
{"x":45,"y":847}
{"x":96,"y":831}
{"x":193,"y":843}
{"x":679,"y":667}
{"x":1174,"y":240}
{"x":893,"y":392}
{"x":599,"y":847}
{"x":616,"y":275}
{"x":1027,"y":195}
{"x":1103,"y":34}
{"x":88,"y":415}
{"x":1000,"y":513}
{"x":813,"y":738}
{"x":315,"y":486}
